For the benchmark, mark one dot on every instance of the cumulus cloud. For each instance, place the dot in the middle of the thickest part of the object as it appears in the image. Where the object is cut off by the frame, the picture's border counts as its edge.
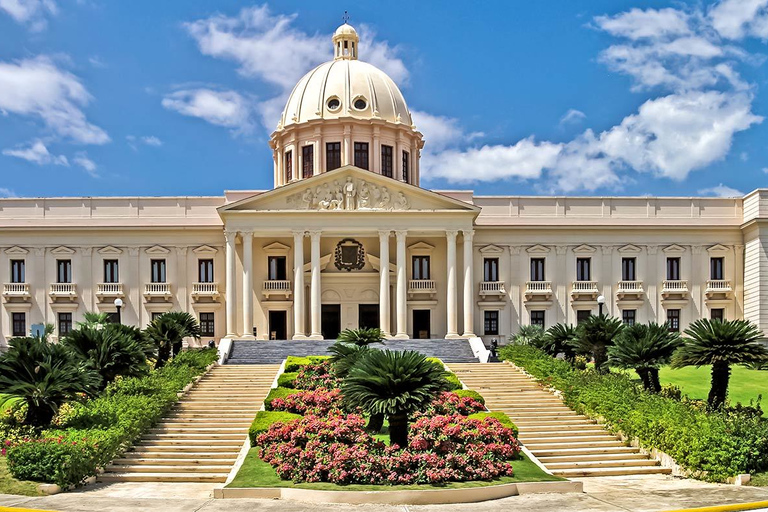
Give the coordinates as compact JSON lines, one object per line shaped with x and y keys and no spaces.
{"x":721,"y":191}
{"x":32,"y":13}
{"x":222,"y":108}
{"x":649,"y":23}
{"x":147,"y":140}
{"x":737,"y":19}
{"x":39,"y":89}
{"x":37,"y":153}
{"x":86,"y":163}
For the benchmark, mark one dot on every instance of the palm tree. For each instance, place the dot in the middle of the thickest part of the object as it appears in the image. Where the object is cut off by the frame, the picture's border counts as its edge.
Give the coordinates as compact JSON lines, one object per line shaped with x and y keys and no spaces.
{"x":645,"y":348}
{"x":593,"y":337}
{"x":720,"y":344}
{"x":44,"y":375}
{"x":168,"y":331}
{"x":364,"y":336}
{"x":344,"y":357}
{"x":93,"y":319}
{"x":395,"y":384}
{"x":557,"y":339}
{"x":528,"y":335}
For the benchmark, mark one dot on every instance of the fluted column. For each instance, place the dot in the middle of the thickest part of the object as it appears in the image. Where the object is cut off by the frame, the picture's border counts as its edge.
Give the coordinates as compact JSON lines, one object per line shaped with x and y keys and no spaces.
{"x":402,"y":313}
{"x":450,"y":298}
{"x":247,"y":284}
{"x":316,"y":291}
{"x":469,"y":285}
{"x":298,"y":285}
{"x":231,"y":285}
{"x":384,"y":317}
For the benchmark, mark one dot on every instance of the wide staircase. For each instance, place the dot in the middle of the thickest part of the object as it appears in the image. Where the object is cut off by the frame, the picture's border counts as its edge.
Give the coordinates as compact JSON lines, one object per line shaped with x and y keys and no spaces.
{"x":274,"y":351}
{"x":568,"y":444}
{"x":202,"y":435}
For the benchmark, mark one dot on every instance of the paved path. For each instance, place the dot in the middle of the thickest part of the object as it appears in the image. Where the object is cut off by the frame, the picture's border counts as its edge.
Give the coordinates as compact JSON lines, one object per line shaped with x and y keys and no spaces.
{"x":651,"y":493}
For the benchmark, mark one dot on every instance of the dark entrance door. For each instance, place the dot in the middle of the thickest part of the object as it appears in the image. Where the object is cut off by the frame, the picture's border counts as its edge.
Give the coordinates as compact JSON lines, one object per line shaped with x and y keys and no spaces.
{"x":330,"y":316}
{"x":421,"y":324}
{"x":368,"y":315}
{"x":278,"y":325}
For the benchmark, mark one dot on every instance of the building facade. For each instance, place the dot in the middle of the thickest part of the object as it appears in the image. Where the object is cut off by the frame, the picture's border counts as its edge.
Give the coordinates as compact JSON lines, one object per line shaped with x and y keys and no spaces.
{"x":348,"y":238}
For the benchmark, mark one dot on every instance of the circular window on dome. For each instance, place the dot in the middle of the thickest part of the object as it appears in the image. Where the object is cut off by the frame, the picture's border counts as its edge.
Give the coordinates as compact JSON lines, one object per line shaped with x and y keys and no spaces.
{"x":333,"y":104}
{"x":360,"y":104}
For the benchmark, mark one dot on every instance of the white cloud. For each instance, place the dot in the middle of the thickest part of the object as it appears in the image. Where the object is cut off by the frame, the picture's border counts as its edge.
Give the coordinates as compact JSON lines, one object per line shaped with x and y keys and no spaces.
{"x":38,"y":88}
{"x":721,"y":191}
{"x":765,"y":170}
{"x":151,"y":140}
{"x":441,"y":131}
{"x":222,"y":108}
{"x":86,"y":163}
{"x":96,"y":62}
{"x":737,"y":19}
{"x":38,"y":154}
{"x":148,"y":140}
{"x":6,"y":192}
{"x":30,"y":12}
{"x":573,"y":116}
{"x":650,"y":23}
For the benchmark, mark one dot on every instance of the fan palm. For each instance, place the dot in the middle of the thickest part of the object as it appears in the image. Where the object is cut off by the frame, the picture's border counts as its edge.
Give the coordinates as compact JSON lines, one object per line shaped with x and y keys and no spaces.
{"x":93,"y":319}
{"x":44,"y":375}
{"x":644,"y":348}
{"x":168,"y":331}
{"x":364,"y":336}
{"x":556,"y":341}
{"x":593,"y":337}
{"x":528,"y":335}
{"x":720,"y":344}
{"x":394,"y":384}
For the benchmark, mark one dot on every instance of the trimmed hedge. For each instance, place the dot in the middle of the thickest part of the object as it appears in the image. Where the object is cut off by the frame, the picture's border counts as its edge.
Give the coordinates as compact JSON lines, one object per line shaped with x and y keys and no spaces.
{"x":294,"y":363}
{"x":265,"y":419}
{"x":712,"y":445}
{"x":96,"y":431}
{"x":471,"y":394}
{"x":503,"y":418}
{"x":287,"y":380}
{"x":278,"y":392}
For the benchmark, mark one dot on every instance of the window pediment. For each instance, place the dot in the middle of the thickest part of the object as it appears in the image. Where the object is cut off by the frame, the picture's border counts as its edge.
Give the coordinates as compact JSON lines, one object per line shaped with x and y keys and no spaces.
{"x":537,"y":249}
{"x":491,"y":250}
{"x":674,"y":249}
{"x":16,"y":251}
{"x":276,"y":248}
{"x":718,"y":249}
{"x":584,"y":249}
{"x":421,"y":248}
{"x":110,"y":250}
{"x":630,"y":249}
{"x":157,"y":249}
{"x":205,"y":250}
{"x":61,"y":250}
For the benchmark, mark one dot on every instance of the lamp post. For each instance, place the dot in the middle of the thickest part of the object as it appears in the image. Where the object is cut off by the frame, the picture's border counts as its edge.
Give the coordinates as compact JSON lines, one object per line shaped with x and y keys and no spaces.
{"x":600,"y":302}
{"x":118,"y":306}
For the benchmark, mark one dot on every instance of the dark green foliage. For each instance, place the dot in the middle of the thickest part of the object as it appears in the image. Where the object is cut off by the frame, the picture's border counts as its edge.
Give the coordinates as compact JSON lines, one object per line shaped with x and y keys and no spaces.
{"x":395,"y":384}
{"x":503,"y":418}
{"x":528,"y":335}
{"x":344,"y":356}
{"x":168,"y":331}
{"x":287,"y":380}
{"x":265,"y":419}
{"x":361,"y":337}
{"x":720,"y":344}
{"x":557,"y":340}
{"x":644,"y":348}
{"x":470,"y":393}
{"x":593,"y":337}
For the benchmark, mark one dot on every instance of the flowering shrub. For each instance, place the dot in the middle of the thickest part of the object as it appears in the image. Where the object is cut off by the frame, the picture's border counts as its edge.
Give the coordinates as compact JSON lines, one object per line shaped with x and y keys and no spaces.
{"x":54,"y":460}
{"x":451,"y":403}
{"x":318,"y":402}
{"x":316,"y":376}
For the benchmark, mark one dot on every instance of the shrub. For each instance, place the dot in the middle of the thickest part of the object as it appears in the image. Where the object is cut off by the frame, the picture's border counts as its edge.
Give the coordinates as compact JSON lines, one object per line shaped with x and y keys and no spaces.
{"x":265,"y":419}
{"x":361,"y":337}
{"x":294,"y":363}
{"x":497,"y":415}
{"x":451,"y":403}
{"x":51,"y":460}
{"x":287,"y":380}
{"x":471,"y":394}
{"x":276,"y":393}
{"x":454,"y":383}
{"x":319,"y":402}
{"x":316,"y":376}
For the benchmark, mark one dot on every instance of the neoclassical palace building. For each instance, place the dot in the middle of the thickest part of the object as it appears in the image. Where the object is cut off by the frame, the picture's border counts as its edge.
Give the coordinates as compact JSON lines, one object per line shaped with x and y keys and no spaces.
{"x":347,"y":238}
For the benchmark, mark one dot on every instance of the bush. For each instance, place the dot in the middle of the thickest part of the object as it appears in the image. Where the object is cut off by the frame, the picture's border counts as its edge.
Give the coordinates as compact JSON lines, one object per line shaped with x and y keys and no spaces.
{"x":317,"y":375}
{"x":294,"y":363}
{"x":454,"y":383}
{"x":265,"y":419}
{"x":474,"y":395}
{"x":498,"y":415}
{"x":287,"y":380}
{"x":319,"y":402}
{"x":276,"y":393}
{"x":451,"y":403}
{"x":712,"y":445}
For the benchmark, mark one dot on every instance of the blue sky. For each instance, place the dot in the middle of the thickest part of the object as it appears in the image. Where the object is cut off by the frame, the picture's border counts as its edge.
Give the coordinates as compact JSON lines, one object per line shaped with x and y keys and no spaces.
{"x":618,"y":97}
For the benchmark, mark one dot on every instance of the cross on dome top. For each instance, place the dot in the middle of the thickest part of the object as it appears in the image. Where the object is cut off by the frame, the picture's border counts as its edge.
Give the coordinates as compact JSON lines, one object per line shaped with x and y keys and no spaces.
{"x":345,"y":41}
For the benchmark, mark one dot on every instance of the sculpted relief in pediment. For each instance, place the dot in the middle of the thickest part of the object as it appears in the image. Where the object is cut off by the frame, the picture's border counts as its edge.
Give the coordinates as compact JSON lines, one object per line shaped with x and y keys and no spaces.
{"x":350,"y":194}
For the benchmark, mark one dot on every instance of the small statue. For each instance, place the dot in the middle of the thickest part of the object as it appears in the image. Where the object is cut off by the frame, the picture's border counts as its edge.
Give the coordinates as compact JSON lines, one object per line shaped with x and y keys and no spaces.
{"x":401,"y":203}
{"x":384,"y":198}
{"x":363,"y":196}
{"x":349,"y":194}
{"x":494,"y":357}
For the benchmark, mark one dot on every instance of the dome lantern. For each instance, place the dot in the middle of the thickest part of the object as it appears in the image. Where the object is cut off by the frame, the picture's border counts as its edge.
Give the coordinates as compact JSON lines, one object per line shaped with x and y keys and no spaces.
{"x":345,"y":43}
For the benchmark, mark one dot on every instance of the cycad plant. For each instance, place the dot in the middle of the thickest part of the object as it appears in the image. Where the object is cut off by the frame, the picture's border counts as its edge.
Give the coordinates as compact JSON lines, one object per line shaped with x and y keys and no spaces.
{"x":528,"y":335}
{"x":720,"y":344}
{"x":361,"y":337}
{"x":556,"y":340}
{"x":644,"y":348}
{"x":93,"y":319}
{"x":395,"y":384}
{"x":168,"y":331}
{"x":593,"y":337}
{"x":44,"y":375}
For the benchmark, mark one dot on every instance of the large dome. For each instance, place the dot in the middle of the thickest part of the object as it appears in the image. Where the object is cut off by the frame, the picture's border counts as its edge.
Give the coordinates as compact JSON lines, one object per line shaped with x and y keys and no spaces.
{"x":345,"y":87}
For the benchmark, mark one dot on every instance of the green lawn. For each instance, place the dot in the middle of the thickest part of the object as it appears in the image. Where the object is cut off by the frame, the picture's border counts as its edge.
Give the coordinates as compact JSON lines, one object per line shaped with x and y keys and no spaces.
{"x":9,"y":485}
{"x":745,"y":384}
{"x":256,"y":473}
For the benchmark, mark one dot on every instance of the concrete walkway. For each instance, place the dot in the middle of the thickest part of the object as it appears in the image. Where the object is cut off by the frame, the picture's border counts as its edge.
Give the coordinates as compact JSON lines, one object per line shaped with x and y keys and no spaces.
{"x":651,"y":493}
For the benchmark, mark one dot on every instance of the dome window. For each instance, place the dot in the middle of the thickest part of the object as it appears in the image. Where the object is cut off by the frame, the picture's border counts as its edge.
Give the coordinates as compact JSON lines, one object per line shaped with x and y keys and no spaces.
{"x":333,"y":104}
{"x":360,"y":104}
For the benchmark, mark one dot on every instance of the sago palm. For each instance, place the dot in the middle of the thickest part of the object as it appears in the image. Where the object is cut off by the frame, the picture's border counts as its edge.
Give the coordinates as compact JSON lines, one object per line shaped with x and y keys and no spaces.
{"x":645,"y":348}
{"x":720,"y":344}
{"x":344,"y":357}
{"x":92,"y":319}
{"x":168,"y":331}
{"x":528,"y":335}
{"x":593,"y":337}
{"x":394,"y":384}
{"x":556,"y":340}
{"x":364,"y":336}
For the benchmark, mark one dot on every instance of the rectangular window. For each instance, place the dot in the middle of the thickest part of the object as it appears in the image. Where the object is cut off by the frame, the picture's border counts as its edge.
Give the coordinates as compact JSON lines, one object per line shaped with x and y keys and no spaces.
{"x":673,"y":269}
{"x":207,"y":325}
{"x":491,"y":323}
{"x":628,"y":266}
{"x":18,"y":271}
{"x":717,"y":314}
{"x":158,"y":271}
{"x":19,"y":326}
{"x":361,"y":155}
{"x":537,"y":269}
{"x":307,"y":161}
{"x":628,"y":315}
{"x":156,"y":315}
{"x":386,"y":161}
{"x":332,"y":155}
{"x":582,"y":269}
{"x":65,"y":323}
{"x":582,"y":315}
{"x":205,"y":271}
{"x":673,"y":320}
{"x":277,"y":268}
{"x":491,"y":269}
{"x":406,"y":167}
{"x":716,"y":268}
{"x":420,"y":267}
{"x":63,"y":271}
{"x":111,"y":273}
{"x":288,"y":166}
{"x":537,"y":318}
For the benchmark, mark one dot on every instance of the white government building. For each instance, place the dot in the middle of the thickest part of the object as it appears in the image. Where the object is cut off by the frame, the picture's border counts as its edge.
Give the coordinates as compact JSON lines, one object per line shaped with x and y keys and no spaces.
{"x":348,"y":238}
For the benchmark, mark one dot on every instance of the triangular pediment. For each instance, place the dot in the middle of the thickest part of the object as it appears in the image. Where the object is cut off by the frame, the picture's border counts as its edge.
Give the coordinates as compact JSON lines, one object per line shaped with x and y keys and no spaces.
{"x":205,"y":250}
{"x":421,"y":247}
{"x":630,"y":249}
{"x":538,"y":249}
{"x":61,"y":250}
{"x":718,"y":249}
{"x":491,"y":249}
{"x":16,"y":251}
{"x":674,"y":249}
{"x":109,"y":250}
{"x":349,"y":189}
{"x":584,"y":249}
{"x":276,"y":248}
{"x":157,"y":249}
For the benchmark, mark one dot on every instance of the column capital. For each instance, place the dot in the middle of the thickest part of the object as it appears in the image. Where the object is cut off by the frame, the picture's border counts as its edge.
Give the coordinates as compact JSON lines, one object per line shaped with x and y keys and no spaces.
{"x":385,"y":233}
{"x":230,"y":236}
{"x":739,"y":249}
{"x":245,"y":233}
{"x":607,"y":249}
{"x":401,"y":233}
{"x":468,"y":233}
{"x":451,"y":234}
{"x":696,"y":249}
{"x":181,"y":251}
{"x":298,"y":234}
{"x":561,"y":249}
{"x":652,"y":249}
{"x":315,"y":234}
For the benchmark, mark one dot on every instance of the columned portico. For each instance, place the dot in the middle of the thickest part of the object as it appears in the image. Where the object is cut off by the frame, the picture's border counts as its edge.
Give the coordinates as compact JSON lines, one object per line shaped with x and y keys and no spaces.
{"x":248,"y":285}
{"x":402,"y":314}
{"x":231,"y":287}
{"x":450,"y":300}
{"x":315,"y":290}
{"x":298,"y":285}
{"x":384,"y":316}
{"x":469,"y":305}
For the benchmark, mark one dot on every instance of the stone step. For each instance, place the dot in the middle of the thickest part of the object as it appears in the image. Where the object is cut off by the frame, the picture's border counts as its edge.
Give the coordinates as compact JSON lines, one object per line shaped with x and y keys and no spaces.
{"x":620,"y":471}
{"x":196,"y":443}
{"x":592,"y":457}
{"x":572,"y":443}
{"x":207,"y":461}
{"x":529,"y":409}
{"x":186,"y":468}
{"x":203,"y":431}
{"x":544,"y":413}
{"x":561,"y":452}
{"x":551,"y":421}
{"x":571,"y":432}
{"x":164,"y":477}
{"x":601,"y":464}
{"x":205,"y":424}
{"x":566,"y":438}
{"x":184,"y":436}
{"x":194,"y":452}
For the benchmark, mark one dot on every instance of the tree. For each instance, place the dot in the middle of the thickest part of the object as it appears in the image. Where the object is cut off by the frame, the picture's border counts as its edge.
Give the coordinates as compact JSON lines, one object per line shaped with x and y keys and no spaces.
{"x":93,"y":319}
{"x":645,"y":348}
{"x":395,"y":384}
{"x":528,"y":335}
{"x":361,"y":336}
{"x":556,"y":340}
{"x":44,"y":375}
{"x":344,"y":357}
{"x":720,"y":344}
{"x":593,"y":337}
{"x":168,"y":331}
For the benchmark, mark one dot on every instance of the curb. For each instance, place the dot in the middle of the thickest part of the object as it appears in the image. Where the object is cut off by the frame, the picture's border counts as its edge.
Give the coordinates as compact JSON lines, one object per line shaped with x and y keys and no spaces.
{"x":16,"y":509}
{"x":726,"y":508}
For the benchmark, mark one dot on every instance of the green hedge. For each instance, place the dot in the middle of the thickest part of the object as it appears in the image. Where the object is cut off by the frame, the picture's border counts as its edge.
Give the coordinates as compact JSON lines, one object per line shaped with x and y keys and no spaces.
{"x":96,"y":431}
{"x":278,"y":392}
{"x":294,"y":363}
{"x":503,"y":418}
{"x":470,"y":393}
{"x":713,"y":445}
{"x":265,"y":419}
{"x":287,"y":380}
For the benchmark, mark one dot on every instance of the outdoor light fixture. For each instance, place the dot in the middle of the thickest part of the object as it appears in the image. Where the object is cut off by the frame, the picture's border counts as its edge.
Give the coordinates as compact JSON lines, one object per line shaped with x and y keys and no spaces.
{"x":600,"y":302}
{"x":118,"y":304}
